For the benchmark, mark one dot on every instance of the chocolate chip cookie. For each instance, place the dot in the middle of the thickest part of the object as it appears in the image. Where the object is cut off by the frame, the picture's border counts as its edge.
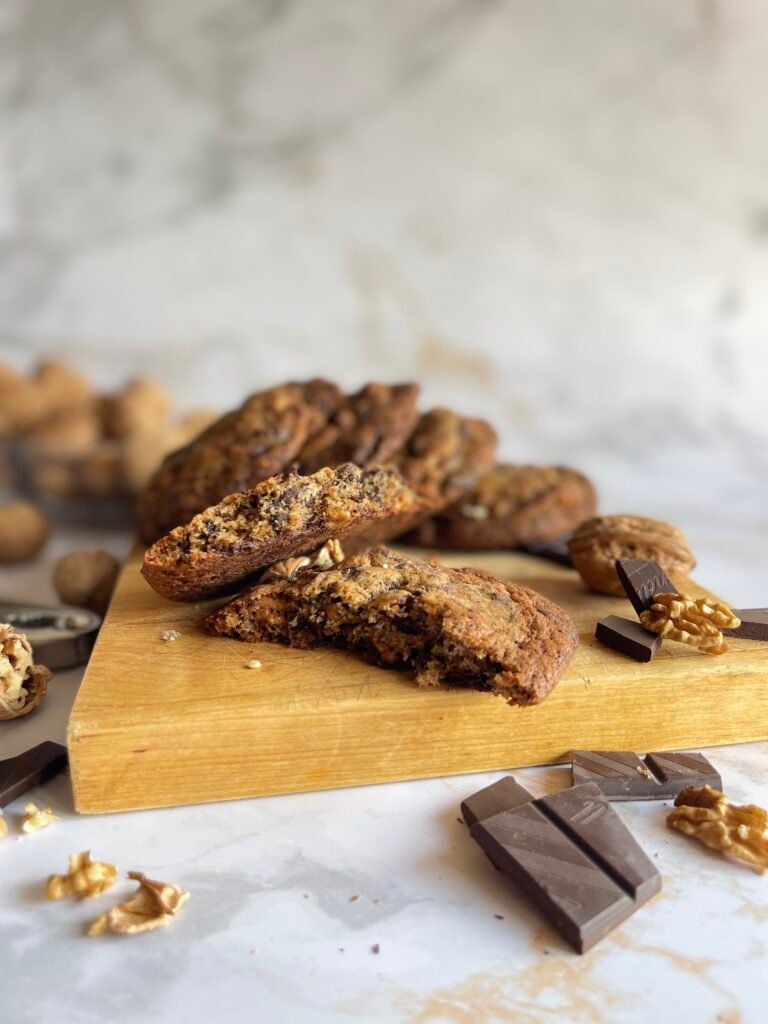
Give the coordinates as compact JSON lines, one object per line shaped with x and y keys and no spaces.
{"x":447,"y":454}
{"x":448,"y":625}
{"x":235,"y":453}
{"x":510,"y":507}
{"x":598,"y":543}
{"x":368,"y":428}
{"x":285,"y":516}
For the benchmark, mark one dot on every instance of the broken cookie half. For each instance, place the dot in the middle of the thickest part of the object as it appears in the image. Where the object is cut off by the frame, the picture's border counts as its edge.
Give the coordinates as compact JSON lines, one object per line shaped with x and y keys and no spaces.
{"x":281,"y":518}
{"x":447,"y":625}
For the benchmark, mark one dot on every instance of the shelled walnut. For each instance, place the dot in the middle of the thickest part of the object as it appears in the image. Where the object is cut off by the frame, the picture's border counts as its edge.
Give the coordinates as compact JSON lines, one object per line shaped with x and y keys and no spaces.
{"x":23,"y":685}
{"x":708,"y":815}
{"x":696,"y":622}
{"x":85,"y":878}
{"x":152,"y":906}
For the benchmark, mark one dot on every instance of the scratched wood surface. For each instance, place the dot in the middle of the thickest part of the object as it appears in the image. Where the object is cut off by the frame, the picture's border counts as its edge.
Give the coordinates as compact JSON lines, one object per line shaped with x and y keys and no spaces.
{"x":157,"y":723}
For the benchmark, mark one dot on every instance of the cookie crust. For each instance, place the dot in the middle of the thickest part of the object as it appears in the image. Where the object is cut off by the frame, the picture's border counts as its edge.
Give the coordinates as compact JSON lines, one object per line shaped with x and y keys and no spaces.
{"x":448,"y":625}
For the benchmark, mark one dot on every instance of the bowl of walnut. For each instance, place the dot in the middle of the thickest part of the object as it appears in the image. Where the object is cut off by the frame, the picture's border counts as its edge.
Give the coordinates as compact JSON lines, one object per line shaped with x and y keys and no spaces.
{"x":80,"y":455}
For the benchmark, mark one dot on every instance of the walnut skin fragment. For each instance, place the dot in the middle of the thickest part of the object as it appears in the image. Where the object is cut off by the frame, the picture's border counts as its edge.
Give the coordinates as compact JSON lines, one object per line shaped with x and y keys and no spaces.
{"x":151,"y":906}
{"x":85,"y":878}
{"x":736,"y":831}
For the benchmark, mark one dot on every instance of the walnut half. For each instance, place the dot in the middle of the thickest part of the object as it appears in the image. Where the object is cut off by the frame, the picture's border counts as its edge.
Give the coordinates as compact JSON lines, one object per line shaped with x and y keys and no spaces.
{"x":738,"y":832}
{"x":23,"y":685}
{"x":695,"y":622}
{"x":151,"y":906}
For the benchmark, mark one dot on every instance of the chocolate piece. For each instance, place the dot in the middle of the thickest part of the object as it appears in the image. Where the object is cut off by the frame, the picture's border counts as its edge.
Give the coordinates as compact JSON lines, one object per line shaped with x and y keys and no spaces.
{"x":584,"y":813}
{"x":501,"y":796}
{"x":23,"y":772}
{"x":754,"y":624}
{"x":627,"y":637}
{"x":622,"y":775}
{"x":642,"y":579}
{"x":578,"y":897}
{"x":555,"y":550}
{"x":570,"y":853}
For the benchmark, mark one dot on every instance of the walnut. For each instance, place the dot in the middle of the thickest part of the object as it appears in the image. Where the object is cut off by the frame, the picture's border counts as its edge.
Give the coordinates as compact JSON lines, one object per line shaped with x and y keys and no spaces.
{"x":152,"y":906}
{"x":23,"y":685}
{"x":694,"y":622}
{"x":86,"y":579}
{"x":23,"y":531}
{"x":599,"y":542}
{"x":68,"y":433}
{"x":3,"y":827}
{"x":169,"y":635}
{"x":36,"y":818}
{"x":738,"y":832}
{"x":140,"y":406}
{"x":85,"y":878}
{"x":325,"y":557}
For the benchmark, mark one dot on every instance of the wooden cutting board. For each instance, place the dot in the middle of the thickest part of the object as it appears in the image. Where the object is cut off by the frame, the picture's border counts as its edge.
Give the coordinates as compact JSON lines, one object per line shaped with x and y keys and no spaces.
{"x":160,"y":723}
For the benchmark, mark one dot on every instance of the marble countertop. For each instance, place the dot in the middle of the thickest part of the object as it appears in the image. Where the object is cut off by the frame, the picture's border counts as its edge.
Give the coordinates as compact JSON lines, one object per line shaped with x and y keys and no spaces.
{"x":293,"y":895}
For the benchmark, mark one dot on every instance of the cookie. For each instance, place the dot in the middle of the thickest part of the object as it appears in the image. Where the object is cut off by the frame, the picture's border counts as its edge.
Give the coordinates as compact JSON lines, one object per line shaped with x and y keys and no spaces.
{"x":285,"y":516}
{"x":447,"y":625}
{"x":598,"y":543}
{"x":447,"y":454}
{"x":510,"y":507}
{"x":368,"y":429}
{"x":235,"y":453}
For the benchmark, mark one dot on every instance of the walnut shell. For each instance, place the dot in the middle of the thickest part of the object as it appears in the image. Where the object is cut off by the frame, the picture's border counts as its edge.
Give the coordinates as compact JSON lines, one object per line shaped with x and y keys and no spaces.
{"x":598,"y":543}
{"x":86,"y":579}
{"x":15,"y":658}
{"x":23,"y":531}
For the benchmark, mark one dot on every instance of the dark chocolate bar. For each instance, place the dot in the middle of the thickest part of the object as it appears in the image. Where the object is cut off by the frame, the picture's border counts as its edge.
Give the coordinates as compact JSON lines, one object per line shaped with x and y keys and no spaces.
{"x":501,"y":796}
{"x":555,"y":550}
{"x":754,"y":624}
{"x":642,"y":580}
{"x":628,"y":637}
{"x":622,"y":775}
{"x":571,"y":854}
{"x":23,"y":772}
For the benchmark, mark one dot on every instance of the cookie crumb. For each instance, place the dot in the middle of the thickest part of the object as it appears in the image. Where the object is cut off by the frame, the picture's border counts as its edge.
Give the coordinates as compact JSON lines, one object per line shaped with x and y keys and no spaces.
{"x":353,"y":898}
{"x":375,"y":948}
{"x":253,"y":663}
{"x":170,"y":634}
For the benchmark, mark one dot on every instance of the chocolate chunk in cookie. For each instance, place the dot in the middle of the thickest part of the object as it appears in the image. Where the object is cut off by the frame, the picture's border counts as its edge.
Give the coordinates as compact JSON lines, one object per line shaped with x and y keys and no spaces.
{"x":447,"y":454}
{"x":448,"y":625}
{"x":599,"y":543}
{"x":285,"y":516}
{"x":368,"y":429}
{"x":512,"y":506}
{"x":235,"y":453}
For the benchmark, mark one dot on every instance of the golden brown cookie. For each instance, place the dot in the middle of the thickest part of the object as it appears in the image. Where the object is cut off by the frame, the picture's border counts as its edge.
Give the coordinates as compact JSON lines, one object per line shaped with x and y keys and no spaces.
{"x":235,"y":453}
{"x":511,"y":506}
{"x":448,"y":625}
{"x":280,"y":518}
{"x":446,"y":455}
{"x":598,"y":543}
{"x":368,"y":429}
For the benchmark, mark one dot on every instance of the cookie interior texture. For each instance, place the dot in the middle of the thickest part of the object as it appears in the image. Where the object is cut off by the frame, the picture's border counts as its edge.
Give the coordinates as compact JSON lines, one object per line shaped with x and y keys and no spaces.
{"x":368,"y":429}
{"x":448,"y":625}
{"x":447,"y":454}
{"x":599,"y":542}
{"x":284,"y":516}
{"x":511,"y":506}
{"x":235,"y":453}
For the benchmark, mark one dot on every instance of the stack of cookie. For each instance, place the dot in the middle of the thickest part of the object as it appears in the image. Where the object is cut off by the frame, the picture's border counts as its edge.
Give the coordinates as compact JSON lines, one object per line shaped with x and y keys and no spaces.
{"x":252,"y":504}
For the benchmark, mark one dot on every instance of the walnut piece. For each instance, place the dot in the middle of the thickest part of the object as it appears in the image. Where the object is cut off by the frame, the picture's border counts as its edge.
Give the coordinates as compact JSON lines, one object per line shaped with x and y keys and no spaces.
{"x":23,"y":531}
{"x":23,"y":685}
{"x":325,"y":557}
{"x":86,"y":579}
{"x":151,"y":906}
{"x":85,"y":878}
{"x":169,"y":635}
{"x":697,"y":623}
{"x":36,"y":818}
{"x":738,"y":832}
{"x":3,"y":827}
